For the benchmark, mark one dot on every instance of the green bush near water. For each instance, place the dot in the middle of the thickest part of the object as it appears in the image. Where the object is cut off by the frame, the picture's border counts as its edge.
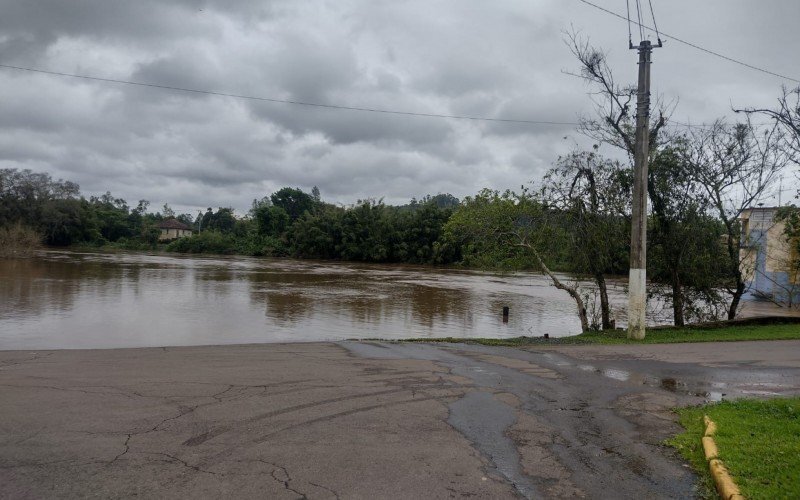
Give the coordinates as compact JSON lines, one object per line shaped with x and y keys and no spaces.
{"x":206,"y":242}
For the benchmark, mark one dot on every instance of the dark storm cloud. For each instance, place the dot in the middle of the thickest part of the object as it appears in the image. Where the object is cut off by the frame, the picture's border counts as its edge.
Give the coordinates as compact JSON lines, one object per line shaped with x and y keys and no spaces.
{"x":36,"y":25}
{"x":502,"y":59}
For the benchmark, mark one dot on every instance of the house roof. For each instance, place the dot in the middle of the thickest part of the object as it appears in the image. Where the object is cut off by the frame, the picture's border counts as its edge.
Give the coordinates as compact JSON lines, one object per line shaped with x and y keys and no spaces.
{"x":172,"y":224}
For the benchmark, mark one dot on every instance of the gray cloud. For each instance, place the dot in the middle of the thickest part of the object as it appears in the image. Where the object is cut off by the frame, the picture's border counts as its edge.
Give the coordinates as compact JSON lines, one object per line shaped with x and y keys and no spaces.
{"x":466,"y":57}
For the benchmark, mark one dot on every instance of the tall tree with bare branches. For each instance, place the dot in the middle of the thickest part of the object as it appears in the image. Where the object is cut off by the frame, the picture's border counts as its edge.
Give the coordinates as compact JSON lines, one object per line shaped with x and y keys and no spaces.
{"x":786,"y":115}
{"x":736,"y":165}
{"x":614,"y":120}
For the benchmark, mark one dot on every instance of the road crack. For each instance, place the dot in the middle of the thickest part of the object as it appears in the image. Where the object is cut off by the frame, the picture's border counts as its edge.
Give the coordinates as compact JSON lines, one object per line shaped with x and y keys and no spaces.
{"x":281,"y":475}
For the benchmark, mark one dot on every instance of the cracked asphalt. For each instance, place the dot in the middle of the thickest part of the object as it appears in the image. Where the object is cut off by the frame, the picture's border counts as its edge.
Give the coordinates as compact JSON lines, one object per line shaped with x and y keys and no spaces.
{"x":366,"y":419}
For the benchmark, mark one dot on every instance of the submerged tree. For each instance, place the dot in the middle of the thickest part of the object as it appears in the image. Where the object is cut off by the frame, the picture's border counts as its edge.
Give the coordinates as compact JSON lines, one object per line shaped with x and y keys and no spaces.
{"x":684,"y":240}
{"x":592,"y":196}
{"x":516,"y":221}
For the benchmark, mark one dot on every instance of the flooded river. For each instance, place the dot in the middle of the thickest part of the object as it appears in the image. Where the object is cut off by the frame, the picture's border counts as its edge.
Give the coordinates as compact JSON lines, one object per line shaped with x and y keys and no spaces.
{"x":62,"y":299}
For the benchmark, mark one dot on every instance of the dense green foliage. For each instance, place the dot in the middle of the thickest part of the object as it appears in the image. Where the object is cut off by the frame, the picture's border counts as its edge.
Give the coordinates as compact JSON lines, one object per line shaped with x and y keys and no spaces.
{"x":490,"y":227}
{"x":289,"y":222}
{"x":293,"y":223}
{"x":56,"y":210}
{"x":758,"y":441}
{"x":686,"y":244}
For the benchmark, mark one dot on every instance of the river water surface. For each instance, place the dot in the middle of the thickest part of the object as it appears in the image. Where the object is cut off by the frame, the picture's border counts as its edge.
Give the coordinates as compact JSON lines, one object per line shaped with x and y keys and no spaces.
{"x":64,"y":299}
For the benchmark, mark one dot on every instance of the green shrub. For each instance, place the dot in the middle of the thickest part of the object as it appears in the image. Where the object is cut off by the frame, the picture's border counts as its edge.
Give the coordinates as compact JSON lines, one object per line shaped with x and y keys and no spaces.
{"x":205,"y":242}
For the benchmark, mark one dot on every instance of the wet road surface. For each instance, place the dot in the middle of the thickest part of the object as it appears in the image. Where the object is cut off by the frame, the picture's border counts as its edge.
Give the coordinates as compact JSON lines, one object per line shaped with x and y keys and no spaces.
{"x":366,"y":419}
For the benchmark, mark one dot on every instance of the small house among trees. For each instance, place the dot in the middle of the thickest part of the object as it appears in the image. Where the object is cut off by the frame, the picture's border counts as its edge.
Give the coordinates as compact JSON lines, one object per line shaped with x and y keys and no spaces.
{"x":768,"y":258}
{"x":172,"y":229}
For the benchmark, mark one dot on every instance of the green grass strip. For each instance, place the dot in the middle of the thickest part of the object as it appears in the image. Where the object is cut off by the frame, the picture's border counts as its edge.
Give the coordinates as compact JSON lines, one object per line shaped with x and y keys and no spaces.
{"x":786,"y":331}
{"x":758,"y":441}
{"x":782,"y":331}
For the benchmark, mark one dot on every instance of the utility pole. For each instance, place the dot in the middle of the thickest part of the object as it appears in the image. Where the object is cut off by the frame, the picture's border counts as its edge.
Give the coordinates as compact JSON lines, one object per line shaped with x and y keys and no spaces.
{"x":637,"y":278}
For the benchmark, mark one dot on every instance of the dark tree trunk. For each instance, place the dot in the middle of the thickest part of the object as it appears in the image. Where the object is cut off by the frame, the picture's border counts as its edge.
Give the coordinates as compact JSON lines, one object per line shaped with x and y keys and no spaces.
{"x":737,"y":296}
{"x":736,"y":271}
{"x":677,"y":299}
{"x":605,"y":308}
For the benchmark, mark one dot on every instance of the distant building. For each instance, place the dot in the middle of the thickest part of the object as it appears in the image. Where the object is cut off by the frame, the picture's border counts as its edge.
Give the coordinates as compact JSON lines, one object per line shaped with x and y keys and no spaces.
{"x":768,"y":259}
{"x":172,"y":229}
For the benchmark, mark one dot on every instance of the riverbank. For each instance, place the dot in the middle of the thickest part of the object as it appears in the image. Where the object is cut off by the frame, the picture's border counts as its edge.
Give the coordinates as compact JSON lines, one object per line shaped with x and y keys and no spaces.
{"x":777,"y":328}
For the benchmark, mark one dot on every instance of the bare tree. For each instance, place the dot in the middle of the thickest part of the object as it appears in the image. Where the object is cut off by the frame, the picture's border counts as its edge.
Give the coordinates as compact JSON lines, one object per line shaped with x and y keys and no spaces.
{"x":736,"y":165}
{"x":787,"y":115}
{"x":615,"y":105}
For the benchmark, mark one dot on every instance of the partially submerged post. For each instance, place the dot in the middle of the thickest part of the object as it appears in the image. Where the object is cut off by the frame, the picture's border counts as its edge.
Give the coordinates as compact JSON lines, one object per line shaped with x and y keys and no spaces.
{"x":505,"y":314}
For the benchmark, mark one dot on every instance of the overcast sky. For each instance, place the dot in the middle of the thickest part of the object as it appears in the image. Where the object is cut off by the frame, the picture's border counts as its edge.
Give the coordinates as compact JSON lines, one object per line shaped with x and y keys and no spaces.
{"x":499,"y":58}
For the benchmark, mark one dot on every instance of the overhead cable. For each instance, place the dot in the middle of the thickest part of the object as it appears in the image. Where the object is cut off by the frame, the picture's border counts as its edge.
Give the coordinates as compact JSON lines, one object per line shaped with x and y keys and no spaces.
{"x":695,"y":46}
{"x":310,"y":104}
{"x":285,"y":101}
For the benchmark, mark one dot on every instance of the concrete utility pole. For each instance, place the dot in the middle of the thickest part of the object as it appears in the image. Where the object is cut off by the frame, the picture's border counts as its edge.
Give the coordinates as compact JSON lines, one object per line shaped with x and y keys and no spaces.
{"x":637,"y":280}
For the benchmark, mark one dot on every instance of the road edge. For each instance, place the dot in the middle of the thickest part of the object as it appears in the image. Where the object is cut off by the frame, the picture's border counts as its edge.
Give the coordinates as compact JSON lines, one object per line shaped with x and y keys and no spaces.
{"x":726,"y":487}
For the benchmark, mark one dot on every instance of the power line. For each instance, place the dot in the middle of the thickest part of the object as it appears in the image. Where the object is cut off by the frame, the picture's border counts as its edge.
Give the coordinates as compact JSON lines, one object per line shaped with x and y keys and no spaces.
{"x":693,"y":45}
{"x":285,"y":101}
{"x":311,"y":104}
{"x":302,"y":103}
{"x":655,"y":25}
{"x":709,"y":125}
{"x":628,"y":10}
{"x":639,"y":17}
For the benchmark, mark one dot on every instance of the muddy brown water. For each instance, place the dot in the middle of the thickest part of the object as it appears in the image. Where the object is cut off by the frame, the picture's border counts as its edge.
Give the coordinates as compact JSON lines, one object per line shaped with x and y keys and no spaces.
{"x":65,"y":299}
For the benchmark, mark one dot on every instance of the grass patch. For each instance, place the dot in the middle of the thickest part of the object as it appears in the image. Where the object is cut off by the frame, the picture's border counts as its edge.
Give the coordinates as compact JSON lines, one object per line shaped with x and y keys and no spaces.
{"x":781,"y":331}
{"x":758,"y":440}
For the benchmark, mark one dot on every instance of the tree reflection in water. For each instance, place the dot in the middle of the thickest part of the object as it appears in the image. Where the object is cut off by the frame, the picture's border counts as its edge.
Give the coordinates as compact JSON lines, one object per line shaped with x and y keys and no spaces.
{"x":62,"y":299}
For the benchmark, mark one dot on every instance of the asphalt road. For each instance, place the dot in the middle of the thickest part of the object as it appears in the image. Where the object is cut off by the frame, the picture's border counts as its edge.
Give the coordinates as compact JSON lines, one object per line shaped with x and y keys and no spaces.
{"x":365,"y":420}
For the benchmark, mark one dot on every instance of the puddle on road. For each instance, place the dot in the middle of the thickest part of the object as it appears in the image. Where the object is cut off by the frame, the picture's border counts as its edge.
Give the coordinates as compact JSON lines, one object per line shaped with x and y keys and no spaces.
{"x":711,"y":391}
{"x":483,"y":419}
{"x":620,"y":375}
